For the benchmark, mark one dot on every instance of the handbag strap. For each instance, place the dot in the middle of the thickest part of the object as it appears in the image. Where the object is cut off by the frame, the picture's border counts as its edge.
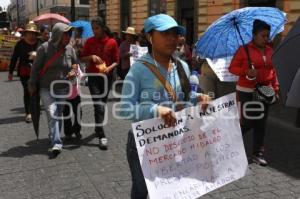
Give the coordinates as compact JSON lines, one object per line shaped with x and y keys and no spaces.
{"x":50,"y":61}
{"x":184,"y":81}
{"x":163,"y":81}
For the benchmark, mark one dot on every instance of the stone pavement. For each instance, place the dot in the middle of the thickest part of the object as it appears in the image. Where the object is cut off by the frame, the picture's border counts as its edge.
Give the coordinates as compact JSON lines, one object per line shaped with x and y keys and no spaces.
{"x":82,"y":171}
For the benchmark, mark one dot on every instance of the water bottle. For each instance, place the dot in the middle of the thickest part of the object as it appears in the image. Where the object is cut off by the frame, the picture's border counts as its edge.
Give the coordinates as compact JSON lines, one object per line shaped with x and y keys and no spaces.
{"x":194,"y":82}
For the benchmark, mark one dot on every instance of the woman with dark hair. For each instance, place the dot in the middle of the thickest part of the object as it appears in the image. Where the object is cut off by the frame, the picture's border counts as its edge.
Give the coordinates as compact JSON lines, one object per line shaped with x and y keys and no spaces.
{"x":22,"y":56}
{"x":262,"y":73}
{"x":138,"y":99}
{"x":102,"y":56}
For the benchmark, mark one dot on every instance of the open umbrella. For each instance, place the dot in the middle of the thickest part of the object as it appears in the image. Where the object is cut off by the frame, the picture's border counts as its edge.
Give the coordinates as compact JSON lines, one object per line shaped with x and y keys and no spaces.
{"x":287,"y":63}
{"x":86,"y":26}
{"x":228,"y":33}
{"x":35,"y":112}
{"x":50,"y":19}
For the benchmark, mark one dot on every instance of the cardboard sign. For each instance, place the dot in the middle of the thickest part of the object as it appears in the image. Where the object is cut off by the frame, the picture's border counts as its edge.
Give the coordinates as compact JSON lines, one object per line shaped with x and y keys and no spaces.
{"x":204,"y":151}
{"x":220,"y":67}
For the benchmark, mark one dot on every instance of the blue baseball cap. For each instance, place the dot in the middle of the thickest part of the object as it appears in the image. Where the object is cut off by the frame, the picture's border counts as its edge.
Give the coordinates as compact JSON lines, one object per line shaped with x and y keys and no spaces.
{"x":162,"y":22}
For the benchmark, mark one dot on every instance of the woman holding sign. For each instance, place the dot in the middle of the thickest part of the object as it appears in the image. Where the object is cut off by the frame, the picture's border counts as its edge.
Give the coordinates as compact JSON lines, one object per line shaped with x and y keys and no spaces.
{"x":143,"y":94}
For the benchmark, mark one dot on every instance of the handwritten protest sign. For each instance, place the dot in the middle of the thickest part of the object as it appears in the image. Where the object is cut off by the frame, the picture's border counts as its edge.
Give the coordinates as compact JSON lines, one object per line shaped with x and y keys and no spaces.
{"x":220,"y":67}
{"x":7,"y":43}
{"x":203,"y":152}
{"x":137,"y":52}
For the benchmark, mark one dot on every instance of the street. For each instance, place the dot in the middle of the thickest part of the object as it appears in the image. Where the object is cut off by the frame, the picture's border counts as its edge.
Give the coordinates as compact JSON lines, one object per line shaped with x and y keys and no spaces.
{"x":83,"y":171}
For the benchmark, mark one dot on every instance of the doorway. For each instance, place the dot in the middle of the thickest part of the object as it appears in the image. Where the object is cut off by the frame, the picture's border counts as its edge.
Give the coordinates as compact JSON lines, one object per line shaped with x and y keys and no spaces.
{"x":186,"y":17}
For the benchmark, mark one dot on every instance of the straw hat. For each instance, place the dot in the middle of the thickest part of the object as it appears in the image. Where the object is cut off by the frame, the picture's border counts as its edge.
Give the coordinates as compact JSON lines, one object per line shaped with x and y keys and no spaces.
{"x":130,"y":30}
{"x":31,"y":27}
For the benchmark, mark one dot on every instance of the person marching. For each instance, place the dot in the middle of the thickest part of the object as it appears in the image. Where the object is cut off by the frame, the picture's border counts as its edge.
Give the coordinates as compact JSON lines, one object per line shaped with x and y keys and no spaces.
{"x":53,"y":63}
{"x":22,"y":53}
{"x":130,"y":39}
{"x":254,"y":113}
{"x":138,"y":100}
{"x":102,"y":56}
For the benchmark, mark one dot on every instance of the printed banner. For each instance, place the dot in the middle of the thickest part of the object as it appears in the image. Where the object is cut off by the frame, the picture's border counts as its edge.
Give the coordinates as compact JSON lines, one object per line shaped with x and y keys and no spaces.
{"x":204,"y":151}
{"x":7,"y":44}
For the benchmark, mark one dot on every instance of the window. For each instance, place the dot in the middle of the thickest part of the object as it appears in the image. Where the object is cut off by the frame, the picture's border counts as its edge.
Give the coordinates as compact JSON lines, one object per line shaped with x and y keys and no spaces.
{"x":102,"y":9}
{"x":125,"y":14}
{"x":158,"y":6}
{"x":268,"y":3}
{"x":84,"y":2}
{"x":186,"y":17}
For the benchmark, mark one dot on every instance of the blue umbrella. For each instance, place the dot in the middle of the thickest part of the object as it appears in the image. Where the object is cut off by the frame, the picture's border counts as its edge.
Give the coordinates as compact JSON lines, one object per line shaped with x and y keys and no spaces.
{"x":86,"y":26}
{"x":227,"y":34}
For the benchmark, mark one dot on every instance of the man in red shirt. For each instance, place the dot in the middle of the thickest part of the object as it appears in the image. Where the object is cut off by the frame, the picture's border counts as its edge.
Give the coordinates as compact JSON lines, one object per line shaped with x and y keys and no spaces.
{"x":100,"y":50}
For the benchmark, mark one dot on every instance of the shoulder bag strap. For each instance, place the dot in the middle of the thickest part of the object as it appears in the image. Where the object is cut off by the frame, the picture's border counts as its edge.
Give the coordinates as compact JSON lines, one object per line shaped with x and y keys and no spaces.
{"x":50,"y":61}
{"x":163,"y":81}
{"x":184,"y":81}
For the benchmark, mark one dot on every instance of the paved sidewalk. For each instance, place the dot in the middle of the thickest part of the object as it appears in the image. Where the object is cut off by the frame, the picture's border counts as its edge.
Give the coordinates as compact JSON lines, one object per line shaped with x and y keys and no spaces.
{"x":82,"y":171}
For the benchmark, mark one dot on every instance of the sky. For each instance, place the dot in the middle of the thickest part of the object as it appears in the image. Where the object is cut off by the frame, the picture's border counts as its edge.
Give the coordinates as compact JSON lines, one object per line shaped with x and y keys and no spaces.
{"x":4,"y":3}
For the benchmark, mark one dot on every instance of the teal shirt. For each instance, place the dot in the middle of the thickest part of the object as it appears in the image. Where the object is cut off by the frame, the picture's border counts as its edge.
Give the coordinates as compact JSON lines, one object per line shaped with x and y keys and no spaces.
{"x":142,"y":91}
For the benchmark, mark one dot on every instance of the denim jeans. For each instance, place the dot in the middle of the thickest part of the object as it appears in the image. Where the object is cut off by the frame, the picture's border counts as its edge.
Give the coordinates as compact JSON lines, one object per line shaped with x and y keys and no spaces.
{"x":139,"y":188}
{"x":97,"y":87}
{"x":54,"y":114}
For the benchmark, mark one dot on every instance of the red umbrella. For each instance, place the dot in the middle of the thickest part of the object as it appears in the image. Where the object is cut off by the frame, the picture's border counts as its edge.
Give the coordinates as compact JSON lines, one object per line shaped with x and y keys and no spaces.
{"x":50,"y":19}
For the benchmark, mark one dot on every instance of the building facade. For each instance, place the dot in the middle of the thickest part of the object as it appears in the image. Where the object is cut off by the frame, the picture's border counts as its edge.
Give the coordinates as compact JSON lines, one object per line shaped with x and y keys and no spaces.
{"x":195,"y":15}
{"x":17,"y":12}
{"x":22,"y":11}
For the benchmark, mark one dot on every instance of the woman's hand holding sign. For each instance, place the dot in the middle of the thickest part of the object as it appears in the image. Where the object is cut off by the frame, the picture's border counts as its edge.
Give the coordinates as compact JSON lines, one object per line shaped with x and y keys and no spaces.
{"x":204,"y":100}
{"x":167,"y":114}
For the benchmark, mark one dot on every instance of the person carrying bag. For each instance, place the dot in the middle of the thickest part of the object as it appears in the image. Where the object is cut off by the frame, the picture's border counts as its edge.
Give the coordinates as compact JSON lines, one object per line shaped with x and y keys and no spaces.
{"x":257,"y":86}
{"x":53,"y":64}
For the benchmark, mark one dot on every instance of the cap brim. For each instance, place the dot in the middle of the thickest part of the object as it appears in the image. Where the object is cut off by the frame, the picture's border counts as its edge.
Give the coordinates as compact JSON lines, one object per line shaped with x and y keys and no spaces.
{"x":67,"y":29}
{"x":180,"y":29}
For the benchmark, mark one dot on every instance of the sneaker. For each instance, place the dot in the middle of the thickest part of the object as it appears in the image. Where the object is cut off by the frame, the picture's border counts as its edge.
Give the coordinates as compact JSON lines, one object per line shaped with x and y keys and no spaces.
{"x":259,"y":159}
{"x":103,"y":143}
{"x":55,"y":150}
{"x":78,"y":135}
{"x":28,"y":118}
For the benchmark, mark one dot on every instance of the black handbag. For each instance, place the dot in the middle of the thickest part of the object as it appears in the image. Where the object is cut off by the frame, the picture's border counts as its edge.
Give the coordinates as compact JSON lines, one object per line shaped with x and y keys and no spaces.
{"x":264,"y":94}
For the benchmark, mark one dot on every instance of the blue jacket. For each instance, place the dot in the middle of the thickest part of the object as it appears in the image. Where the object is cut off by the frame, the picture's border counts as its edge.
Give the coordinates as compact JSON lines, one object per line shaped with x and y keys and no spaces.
{"x":142,"y":91}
